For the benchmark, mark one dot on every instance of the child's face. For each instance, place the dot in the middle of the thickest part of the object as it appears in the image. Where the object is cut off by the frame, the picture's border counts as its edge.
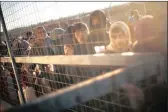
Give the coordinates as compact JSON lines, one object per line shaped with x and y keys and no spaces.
{"x":120,"y":40}
{"x":118,"y":35}
{"x":95,"y":20}
{"x":68,"y":49}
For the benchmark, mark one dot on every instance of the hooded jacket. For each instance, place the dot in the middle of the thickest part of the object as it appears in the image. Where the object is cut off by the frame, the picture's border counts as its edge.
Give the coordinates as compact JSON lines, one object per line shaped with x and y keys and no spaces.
{"x":115,"y":46}
{"x":102,"y":17}
{"x":98,"y":35}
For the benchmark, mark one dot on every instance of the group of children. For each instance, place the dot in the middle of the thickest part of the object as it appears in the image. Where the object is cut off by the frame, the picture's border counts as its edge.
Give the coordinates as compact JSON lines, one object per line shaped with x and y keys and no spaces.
{"x":140,"y":34}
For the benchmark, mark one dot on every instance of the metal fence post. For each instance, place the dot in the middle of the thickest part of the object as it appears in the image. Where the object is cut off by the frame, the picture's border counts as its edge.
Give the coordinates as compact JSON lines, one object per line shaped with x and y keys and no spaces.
{"x":11,"y":55}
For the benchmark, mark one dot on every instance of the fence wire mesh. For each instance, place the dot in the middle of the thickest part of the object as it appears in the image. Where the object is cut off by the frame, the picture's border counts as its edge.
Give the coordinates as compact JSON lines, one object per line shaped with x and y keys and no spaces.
{"x":38,"y":30}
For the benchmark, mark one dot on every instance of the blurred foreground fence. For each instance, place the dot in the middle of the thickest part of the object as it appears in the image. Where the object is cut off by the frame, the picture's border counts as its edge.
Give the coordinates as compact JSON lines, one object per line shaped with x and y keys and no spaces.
{"x":58,"y":82}
{"x":100,"y":93}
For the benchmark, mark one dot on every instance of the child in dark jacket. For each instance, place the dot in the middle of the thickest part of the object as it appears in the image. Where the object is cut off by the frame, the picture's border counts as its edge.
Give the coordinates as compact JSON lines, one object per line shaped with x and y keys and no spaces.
{"x":98,"y":35}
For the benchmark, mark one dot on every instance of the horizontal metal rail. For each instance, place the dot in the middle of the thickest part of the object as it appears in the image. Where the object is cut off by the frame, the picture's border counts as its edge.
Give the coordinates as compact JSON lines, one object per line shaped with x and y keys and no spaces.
{"x":95,"y":87}
{"x":123,"y":59}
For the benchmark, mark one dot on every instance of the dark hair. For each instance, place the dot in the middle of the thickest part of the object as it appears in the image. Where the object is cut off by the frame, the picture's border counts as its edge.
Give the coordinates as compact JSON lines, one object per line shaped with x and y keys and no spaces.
{"x":68,"y":35}
{"x":102,"y":17}
{"x":69,"y":29}
{"x":80,"y":26}
{"x":28,"y":34}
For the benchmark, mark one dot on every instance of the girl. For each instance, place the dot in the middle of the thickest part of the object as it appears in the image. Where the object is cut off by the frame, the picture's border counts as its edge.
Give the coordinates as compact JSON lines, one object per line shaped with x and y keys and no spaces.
{"x":120,"y":38}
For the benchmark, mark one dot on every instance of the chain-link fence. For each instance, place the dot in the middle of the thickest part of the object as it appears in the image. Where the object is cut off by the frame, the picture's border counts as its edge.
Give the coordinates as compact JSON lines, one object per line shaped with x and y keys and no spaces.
{"x":81,"y":63}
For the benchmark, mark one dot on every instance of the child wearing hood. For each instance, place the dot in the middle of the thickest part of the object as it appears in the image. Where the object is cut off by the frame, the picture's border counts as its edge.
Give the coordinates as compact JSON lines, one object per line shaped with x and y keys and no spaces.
{"x":98,"y":35}
{"x":120,"y":38}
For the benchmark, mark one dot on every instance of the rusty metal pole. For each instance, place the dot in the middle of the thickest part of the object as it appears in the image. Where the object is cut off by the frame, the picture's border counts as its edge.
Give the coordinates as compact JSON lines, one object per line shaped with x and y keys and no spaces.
{"x":11,"y":55}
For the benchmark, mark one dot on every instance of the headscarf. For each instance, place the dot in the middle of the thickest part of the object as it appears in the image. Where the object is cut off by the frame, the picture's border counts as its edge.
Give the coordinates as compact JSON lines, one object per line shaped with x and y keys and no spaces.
{"x":115,"y":44}
{"x":98,"y":35}
{"x":101,"y":16}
